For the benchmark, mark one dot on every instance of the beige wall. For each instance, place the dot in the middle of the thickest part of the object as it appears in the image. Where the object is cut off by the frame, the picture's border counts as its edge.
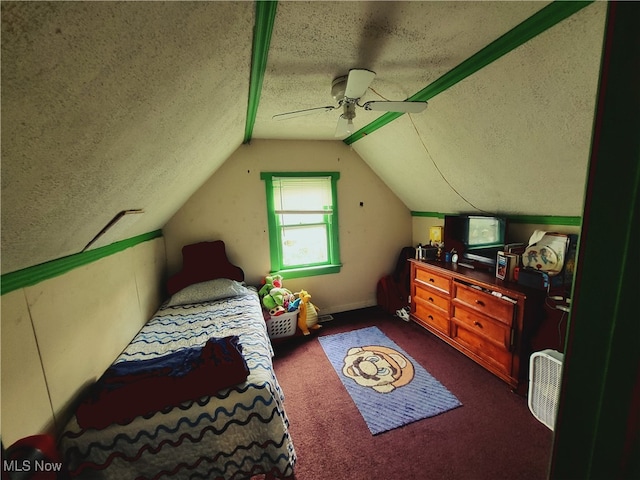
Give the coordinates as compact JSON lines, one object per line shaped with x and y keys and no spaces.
{"x":521,"y":232}
{"x":230,"y":206}
{"x":421,"y":226}
{"x":61,"y":334}
{"x":518,"y":232}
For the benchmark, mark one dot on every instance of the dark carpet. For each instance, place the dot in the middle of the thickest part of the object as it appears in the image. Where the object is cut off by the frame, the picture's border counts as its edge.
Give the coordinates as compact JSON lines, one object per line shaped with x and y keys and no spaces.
{"x":494,"y":436}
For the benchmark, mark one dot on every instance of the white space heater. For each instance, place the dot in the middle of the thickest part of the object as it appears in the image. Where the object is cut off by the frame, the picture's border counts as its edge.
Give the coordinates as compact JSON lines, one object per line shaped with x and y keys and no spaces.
{"x":545,"y":373}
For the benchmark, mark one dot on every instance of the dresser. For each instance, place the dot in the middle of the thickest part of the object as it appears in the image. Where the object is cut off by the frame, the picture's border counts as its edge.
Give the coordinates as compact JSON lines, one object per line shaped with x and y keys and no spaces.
{"x":487,"y":319}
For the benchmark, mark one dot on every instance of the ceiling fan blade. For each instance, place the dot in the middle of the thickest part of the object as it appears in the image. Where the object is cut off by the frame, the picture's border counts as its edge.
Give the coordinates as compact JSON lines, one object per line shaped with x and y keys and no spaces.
{"x":300,"y":113}
{"x":357,"y":82}
{"x":405,"y":107}
{"x":344,"y":127}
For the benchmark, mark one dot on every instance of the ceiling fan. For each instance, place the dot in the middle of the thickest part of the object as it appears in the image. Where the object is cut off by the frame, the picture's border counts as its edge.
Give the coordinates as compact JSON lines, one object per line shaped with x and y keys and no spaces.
{"x":347,"y":90}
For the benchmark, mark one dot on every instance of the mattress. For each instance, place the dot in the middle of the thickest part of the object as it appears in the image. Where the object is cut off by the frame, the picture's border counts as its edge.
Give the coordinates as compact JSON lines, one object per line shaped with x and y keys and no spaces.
{"x":235,"y":433}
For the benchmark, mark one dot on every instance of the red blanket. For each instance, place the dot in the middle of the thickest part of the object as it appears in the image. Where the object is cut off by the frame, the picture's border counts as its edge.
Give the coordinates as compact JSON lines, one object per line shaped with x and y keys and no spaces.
{"x":131,"y":389}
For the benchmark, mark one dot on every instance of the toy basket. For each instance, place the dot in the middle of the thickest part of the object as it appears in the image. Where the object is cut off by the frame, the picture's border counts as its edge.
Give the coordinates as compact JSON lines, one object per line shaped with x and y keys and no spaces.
{"x":282,"y":325}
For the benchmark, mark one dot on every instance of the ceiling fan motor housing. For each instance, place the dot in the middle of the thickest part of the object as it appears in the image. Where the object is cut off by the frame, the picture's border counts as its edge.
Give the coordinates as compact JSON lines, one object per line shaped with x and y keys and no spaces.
{"x":338,"y":87}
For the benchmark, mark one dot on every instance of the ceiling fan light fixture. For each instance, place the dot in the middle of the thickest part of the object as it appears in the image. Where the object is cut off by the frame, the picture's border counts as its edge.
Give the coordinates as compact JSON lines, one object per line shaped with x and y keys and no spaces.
{"x":349,"y":107}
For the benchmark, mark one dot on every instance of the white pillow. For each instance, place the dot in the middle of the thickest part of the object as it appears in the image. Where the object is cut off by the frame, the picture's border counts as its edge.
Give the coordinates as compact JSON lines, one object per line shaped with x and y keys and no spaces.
{"x":207,"y":292}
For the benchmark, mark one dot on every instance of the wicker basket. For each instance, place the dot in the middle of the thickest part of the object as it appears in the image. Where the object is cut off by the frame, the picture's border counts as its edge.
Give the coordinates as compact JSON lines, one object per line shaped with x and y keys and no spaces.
{"x":284,"y":325}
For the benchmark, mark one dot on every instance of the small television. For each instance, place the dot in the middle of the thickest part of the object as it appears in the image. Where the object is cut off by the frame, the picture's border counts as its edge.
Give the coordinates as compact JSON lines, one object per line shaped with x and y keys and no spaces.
{"x":476,"y":238}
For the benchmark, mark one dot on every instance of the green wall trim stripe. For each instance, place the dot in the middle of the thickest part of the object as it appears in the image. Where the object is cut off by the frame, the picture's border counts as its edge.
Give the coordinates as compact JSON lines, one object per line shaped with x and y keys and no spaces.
{"x":546,"y":220}
{"x":539,"y":22}
{"x":427,"y":214}
{"x":36,"y":274}
{"x":265,"y":18}
{"x":524,"y":219}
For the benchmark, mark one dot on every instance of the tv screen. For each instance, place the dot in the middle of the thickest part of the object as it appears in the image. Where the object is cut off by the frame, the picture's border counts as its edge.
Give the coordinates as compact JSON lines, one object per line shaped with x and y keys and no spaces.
{"x":476,"y":237}
{"x":484,"y":232}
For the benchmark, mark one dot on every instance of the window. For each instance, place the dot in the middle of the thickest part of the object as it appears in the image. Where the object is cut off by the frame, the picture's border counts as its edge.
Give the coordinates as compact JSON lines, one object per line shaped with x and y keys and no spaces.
{"x":302,"y":211}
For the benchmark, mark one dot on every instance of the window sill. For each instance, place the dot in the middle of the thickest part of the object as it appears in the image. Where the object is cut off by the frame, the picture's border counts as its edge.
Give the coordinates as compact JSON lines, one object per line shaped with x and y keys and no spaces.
{"x":308,"y":271}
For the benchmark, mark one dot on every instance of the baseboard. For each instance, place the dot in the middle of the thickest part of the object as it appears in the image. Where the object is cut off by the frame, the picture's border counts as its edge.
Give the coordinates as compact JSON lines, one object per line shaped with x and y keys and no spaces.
{"x":348,"y":306}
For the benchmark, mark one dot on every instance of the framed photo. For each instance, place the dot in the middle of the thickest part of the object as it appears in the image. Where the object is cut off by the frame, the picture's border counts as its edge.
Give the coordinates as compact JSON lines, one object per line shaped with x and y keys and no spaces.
{"x":435,"y":234}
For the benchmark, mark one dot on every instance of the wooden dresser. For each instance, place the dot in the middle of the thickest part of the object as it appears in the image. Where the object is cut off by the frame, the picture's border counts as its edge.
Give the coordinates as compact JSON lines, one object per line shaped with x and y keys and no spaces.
{"x":489,"y":320}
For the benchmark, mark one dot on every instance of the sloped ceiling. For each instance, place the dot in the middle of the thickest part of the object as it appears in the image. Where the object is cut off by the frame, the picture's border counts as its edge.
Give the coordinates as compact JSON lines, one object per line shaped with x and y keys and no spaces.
{"x":110,"y":106}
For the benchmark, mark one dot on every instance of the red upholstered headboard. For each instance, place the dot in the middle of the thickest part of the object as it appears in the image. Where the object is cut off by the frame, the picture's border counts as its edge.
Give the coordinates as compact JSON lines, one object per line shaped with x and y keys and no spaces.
{"x":201,"y":262}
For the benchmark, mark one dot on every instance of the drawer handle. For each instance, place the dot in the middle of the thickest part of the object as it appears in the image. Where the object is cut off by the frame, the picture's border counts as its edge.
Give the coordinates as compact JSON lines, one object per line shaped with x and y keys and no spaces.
{"x":432,"y":280}
{"x":430,"y":317}
{"x":477,"y":324}
{"x":431,"y":299}
{"x":480,"y":302}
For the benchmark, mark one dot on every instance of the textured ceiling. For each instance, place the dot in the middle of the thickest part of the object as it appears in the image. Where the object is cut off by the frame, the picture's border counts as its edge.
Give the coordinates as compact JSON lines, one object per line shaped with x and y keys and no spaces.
{"x":407,"y":44}
{"x":109,"y":106}
{"x":513,"y":138}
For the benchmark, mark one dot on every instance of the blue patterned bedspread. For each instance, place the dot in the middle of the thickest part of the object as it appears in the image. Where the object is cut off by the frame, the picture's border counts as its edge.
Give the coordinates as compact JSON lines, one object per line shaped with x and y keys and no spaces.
{"x":239,"y":432}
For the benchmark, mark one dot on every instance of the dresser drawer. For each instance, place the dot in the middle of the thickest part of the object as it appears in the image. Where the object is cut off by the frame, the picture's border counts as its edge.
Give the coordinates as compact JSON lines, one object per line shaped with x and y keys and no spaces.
{"x":490,"y":330}
{"x":495,"y":358}
{"x":429,"y":296}
{"x":459,"y":306}
{"x":434,"y":280}
{"x":432,"y":317}
{"x":485,"y":303}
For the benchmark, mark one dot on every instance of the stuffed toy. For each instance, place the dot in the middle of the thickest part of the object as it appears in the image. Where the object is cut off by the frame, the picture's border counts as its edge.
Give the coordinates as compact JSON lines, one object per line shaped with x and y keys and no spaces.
{"x":269,"y":282}
{"x":295,"y":305}
{"x":308,"y":316}
{"x":278,"y":310}
{"x":273,"y":294}
{"x":277,"y":297}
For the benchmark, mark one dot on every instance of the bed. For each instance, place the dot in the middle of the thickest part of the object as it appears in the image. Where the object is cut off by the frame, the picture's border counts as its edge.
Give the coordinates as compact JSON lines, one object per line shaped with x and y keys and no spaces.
{"x":194,"y":395}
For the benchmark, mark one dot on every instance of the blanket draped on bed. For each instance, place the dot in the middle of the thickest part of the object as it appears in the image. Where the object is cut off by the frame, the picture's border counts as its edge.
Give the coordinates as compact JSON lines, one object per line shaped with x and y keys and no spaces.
{"x":233,"y":433}
{"x":130,"y":389}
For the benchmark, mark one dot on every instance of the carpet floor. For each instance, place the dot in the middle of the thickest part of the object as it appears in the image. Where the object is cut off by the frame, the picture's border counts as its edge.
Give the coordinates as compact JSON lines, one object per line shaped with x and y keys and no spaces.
{"x":493,"y":436}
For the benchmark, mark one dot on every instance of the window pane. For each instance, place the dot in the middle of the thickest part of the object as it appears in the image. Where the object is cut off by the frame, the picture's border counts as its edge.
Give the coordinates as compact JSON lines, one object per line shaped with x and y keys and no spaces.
{"x":301,"y":219}
{"x":304,"y":245}
{"x":302,"y":193}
